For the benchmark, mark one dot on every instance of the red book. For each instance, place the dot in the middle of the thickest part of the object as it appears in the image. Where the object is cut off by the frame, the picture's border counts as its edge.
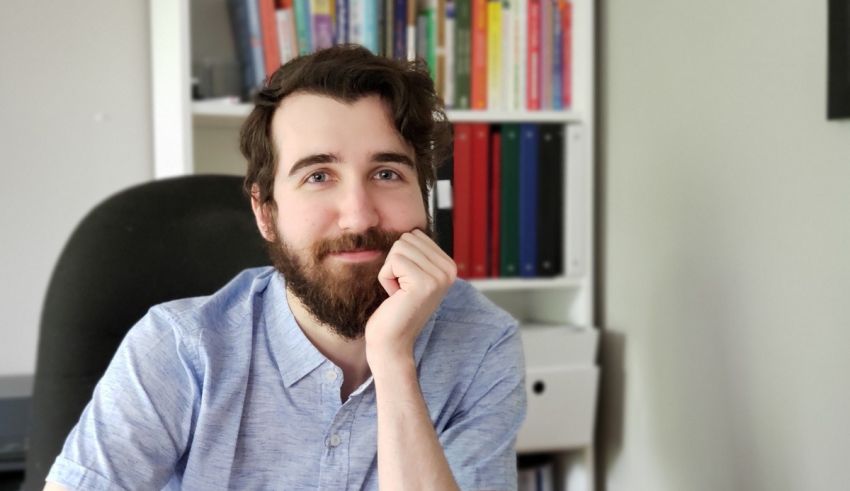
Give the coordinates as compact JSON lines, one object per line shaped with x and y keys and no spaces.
{"x":532,"y":76}
{"x":495,"y":202}
{"x":478,"y":75}
{"x":268,"y":26}
{"x":567,"y":53}
{"x":480,"y":199}
{"x":461,"y":192}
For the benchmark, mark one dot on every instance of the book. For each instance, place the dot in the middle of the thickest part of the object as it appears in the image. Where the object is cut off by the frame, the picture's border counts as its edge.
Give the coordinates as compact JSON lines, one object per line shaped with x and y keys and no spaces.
{"x":286,"y":34}
{"x":411,"y":30}
{"x":546,"y":42}
{"x":478,"y":54}
{"x":494,"y":54}
{"x":508,"y":40}
{"x":533,"y":56}
{"x":462,"y":200}
{"x":302,"y":26}
{"x":566,"y":53}
{"x":528,"y":191}
{"x":521,"y":54}
{"x":463,"y":53}
{"x":480,"y":190}
{"x":448,"y":93}
{"x":400,"y":29}
{"x":342,"y":28}
{"x":550,"y":216}
{"x":509,"y":208}
{"x":245,"y":23}
{"x":268,"y":28}
{"x":495,"y":214}
{"x":557,"y":57}
{"x":322,"y":24}
{"x":370,"y":15}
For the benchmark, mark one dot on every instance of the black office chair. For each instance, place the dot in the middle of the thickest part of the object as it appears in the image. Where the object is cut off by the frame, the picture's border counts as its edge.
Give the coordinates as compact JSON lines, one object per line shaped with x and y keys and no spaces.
{"x":158,"y":241}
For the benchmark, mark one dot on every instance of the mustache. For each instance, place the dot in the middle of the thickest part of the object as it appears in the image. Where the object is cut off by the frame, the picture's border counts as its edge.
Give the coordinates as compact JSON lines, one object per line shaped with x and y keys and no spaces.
{"x":372,"y":239}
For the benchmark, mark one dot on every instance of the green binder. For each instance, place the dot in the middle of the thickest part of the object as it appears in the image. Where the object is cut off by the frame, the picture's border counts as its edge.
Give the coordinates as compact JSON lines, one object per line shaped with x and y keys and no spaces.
{"x":509,"y":239}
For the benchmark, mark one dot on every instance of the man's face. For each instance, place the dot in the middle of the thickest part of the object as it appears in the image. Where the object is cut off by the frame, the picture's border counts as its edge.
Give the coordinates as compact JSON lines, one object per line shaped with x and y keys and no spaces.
{"x":345,"y":189}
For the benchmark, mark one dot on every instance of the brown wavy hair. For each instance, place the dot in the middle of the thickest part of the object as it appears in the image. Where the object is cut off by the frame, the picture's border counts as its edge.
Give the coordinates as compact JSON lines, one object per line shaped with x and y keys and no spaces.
{"x":347,"y":73}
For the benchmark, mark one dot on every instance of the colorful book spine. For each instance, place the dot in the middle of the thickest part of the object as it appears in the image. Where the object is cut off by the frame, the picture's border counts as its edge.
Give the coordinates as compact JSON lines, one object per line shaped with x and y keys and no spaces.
{"x":342,"y":28}
{"x":322,"y":24}
{"x":302,"y":26}
{"x":494,"y":54}
{"x":557,"y":57}
{"x":508,"y":38}
{"x":450,"y":46}
{"x":287,"y":39}
{"x":400,"y":29}
{"x":567,"y":53}
{"x":509,"y":226}
{"x":371,"y":16}
{"x":521,"y":54}
{"x":546,"y":42}
{"x":528,"y":191}
{"x":239,"y":11}
{"x":478,"y":75}
{"x":440,"y":49}
{"x":271,"y":45}
{"x":463,"y":60}
{"x":533,"y":56}
{"x":411,"y":30}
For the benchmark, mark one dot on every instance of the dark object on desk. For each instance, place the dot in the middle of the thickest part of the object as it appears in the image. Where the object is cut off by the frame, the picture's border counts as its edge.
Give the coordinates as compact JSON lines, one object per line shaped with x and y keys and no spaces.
{"x":838,"y":104}
{"x":155,"y":242}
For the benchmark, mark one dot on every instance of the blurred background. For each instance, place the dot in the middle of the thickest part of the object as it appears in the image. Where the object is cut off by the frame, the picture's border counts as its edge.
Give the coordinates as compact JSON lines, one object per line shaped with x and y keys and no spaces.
{"x":723,"y":237}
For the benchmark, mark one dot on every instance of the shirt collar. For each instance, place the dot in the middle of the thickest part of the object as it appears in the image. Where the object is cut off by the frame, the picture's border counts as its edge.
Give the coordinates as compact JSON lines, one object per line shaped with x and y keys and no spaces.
{"x":294,"y":353}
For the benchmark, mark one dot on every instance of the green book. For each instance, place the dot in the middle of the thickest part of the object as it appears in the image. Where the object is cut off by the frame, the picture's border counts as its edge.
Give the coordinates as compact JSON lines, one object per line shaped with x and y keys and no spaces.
{"x":463,"y":52}
{"x":509,"y":231}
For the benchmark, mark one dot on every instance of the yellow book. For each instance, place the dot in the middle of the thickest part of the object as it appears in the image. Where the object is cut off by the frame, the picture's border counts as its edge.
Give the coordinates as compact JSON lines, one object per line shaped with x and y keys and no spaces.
{"x":494,"y":54}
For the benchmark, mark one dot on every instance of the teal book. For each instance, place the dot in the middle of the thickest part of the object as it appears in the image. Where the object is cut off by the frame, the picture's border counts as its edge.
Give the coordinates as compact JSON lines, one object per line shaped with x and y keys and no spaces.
{"x":302,"y":26}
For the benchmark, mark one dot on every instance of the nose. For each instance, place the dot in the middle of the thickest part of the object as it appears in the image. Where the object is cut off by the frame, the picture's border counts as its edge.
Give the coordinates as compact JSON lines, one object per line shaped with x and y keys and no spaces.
{"x":357,"y":210}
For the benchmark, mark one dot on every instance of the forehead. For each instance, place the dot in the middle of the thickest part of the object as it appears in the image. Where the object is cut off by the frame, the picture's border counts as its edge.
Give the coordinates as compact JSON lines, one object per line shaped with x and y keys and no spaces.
{"x":307,"y":124}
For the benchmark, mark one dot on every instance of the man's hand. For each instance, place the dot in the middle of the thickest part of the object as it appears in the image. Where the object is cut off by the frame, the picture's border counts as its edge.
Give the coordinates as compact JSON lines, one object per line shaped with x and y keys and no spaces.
{"x":416,"y":275}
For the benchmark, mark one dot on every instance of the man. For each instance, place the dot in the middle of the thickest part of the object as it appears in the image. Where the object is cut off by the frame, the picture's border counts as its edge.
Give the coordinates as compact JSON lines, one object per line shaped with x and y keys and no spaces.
{"x":356,"y":360}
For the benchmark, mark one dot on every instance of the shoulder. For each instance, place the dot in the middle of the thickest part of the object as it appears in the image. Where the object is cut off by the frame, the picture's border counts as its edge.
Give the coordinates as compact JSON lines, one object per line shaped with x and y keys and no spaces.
{"x":230,"y":308}
{"x":469,"y":318}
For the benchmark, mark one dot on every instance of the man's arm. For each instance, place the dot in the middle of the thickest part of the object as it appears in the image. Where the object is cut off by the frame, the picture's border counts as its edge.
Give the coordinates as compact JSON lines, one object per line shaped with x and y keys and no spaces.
{"x":416,"y":275}
{"x":52,"y":486}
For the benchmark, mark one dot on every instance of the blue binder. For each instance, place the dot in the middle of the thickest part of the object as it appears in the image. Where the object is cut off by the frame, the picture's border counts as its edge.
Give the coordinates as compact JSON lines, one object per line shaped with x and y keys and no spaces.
{"x":528,"y":184}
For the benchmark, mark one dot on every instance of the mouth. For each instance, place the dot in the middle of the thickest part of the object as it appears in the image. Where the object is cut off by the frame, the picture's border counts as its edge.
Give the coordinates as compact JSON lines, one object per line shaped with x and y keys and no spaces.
{"x":356,"y":255}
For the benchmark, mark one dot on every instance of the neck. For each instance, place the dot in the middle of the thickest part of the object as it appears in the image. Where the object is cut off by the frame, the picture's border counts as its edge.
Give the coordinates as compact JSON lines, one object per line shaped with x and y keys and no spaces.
{"x":347,"y":354}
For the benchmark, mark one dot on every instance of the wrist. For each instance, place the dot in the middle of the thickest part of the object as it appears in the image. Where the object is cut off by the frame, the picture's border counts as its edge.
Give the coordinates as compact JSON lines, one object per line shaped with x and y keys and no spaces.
{"x":389,"y":365}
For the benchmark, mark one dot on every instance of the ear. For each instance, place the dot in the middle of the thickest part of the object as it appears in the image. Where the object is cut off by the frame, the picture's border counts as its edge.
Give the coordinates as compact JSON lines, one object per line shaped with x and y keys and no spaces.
{"x":263,"y":215}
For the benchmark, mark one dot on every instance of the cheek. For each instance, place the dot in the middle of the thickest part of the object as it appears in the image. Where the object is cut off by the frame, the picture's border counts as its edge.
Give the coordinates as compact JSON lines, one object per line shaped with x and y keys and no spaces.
{"x":404,"y":214}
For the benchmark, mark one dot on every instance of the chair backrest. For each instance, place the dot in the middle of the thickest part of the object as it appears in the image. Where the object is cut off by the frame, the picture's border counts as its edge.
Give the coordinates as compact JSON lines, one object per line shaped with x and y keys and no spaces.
{"x":155,"y":242}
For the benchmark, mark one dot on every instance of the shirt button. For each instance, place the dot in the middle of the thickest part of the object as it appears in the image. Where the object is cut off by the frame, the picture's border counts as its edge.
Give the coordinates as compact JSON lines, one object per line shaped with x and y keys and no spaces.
{"x":334,"y":440}
{"x":330,"y":375}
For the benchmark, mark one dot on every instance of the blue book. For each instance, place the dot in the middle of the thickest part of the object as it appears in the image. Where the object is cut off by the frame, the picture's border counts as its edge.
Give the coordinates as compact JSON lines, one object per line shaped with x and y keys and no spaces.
{"x":400,"y":29}
{"x":341,"y":22}
{"x":557,"y":65}
{"x":528,"y":191}
{"x":371,"y":18}
{"x":245,"y":22}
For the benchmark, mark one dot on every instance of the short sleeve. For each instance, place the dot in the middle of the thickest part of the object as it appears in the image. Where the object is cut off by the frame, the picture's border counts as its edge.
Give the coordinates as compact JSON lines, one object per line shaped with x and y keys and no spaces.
{"x":138,"y":424}
{"x":479,"y":441}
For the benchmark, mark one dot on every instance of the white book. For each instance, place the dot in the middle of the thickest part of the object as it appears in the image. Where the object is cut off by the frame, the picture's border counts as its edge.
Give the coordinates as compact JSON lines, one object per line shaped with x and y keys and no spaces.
{"x":521,"y":54}
{"x":355,"y":21}
{"x":286,"y":35}
{"x":508,"y":69}
{"x":449,"y":65}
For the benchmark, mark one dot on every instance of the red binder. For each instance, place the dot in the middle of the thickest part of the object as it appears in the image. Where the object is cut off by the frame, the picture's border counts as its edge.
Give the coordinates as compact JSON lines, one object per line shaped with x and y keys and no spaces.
{"x":495,"y":202}
{"x":480,"y":199}
{"x":462,"y":191}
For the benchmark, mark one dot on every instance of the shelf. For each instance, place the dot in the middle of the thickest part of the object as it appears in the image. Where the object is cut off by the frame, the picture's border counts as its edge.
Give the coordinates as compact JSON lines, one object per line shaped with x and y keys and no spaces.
{"x":524,"y":284}
{"x":229,"y":112}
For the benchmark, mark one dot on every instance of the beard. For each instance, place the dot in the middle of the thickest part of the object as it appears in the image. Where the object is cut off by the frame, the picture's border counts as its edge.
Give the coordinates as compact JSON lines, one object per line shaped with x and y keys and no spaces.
{"x":341,"y":296}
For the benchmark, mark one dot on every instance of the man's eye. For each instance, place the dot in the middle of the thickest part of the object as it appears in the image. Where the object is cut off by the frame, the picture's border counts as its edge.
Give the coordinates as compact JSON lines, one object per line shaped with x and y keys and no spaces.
{"x":318,"y":177}
{"x":387,"y":175}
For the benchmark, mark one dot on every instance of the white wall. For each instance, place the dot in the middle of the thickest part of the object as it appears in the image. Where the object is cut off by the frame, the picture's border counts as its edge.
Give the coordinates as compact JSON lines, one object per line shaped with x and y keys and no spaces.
{"x":74,"y":128}
{"x":726,"y":249}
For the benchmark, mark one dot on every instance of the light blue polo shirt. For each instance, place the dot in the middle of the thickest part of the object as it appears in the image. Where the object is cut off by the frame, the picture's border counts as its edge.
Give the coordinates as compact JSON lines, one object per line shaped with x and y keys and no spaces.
{"x":226,"y":392}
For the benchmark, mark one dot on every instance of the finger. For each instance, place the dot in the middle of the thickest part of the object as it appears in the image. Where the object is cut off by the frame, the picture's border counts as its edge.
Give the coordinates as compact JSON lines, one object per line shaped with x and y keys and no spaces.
{"x":435,"y":252}
{"x":400,"y":272}
{"x":387,"y":278}
{"x":422,"y":259}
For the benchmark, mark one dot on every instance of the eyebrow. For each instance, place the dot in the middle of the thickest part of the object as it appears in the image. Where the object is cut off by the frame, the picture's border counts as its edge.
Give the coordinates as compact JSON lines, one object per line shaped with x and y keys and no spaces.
{"x":332,"y":158}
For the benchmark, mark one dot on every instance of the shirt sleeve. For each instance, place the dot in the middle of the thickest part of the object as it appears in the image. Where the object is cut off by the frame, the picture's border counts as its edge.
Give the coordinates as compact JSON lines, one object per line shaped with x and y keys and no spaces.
{"x":479,"y":441}
{"x":138,"y":424}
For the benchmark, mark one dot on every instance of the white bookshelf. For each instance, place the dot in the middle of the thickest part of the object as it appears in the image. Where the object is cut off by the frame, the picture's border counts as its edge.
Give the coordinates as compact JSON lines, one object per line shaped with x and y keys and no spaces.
{"x":202,"y":137}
